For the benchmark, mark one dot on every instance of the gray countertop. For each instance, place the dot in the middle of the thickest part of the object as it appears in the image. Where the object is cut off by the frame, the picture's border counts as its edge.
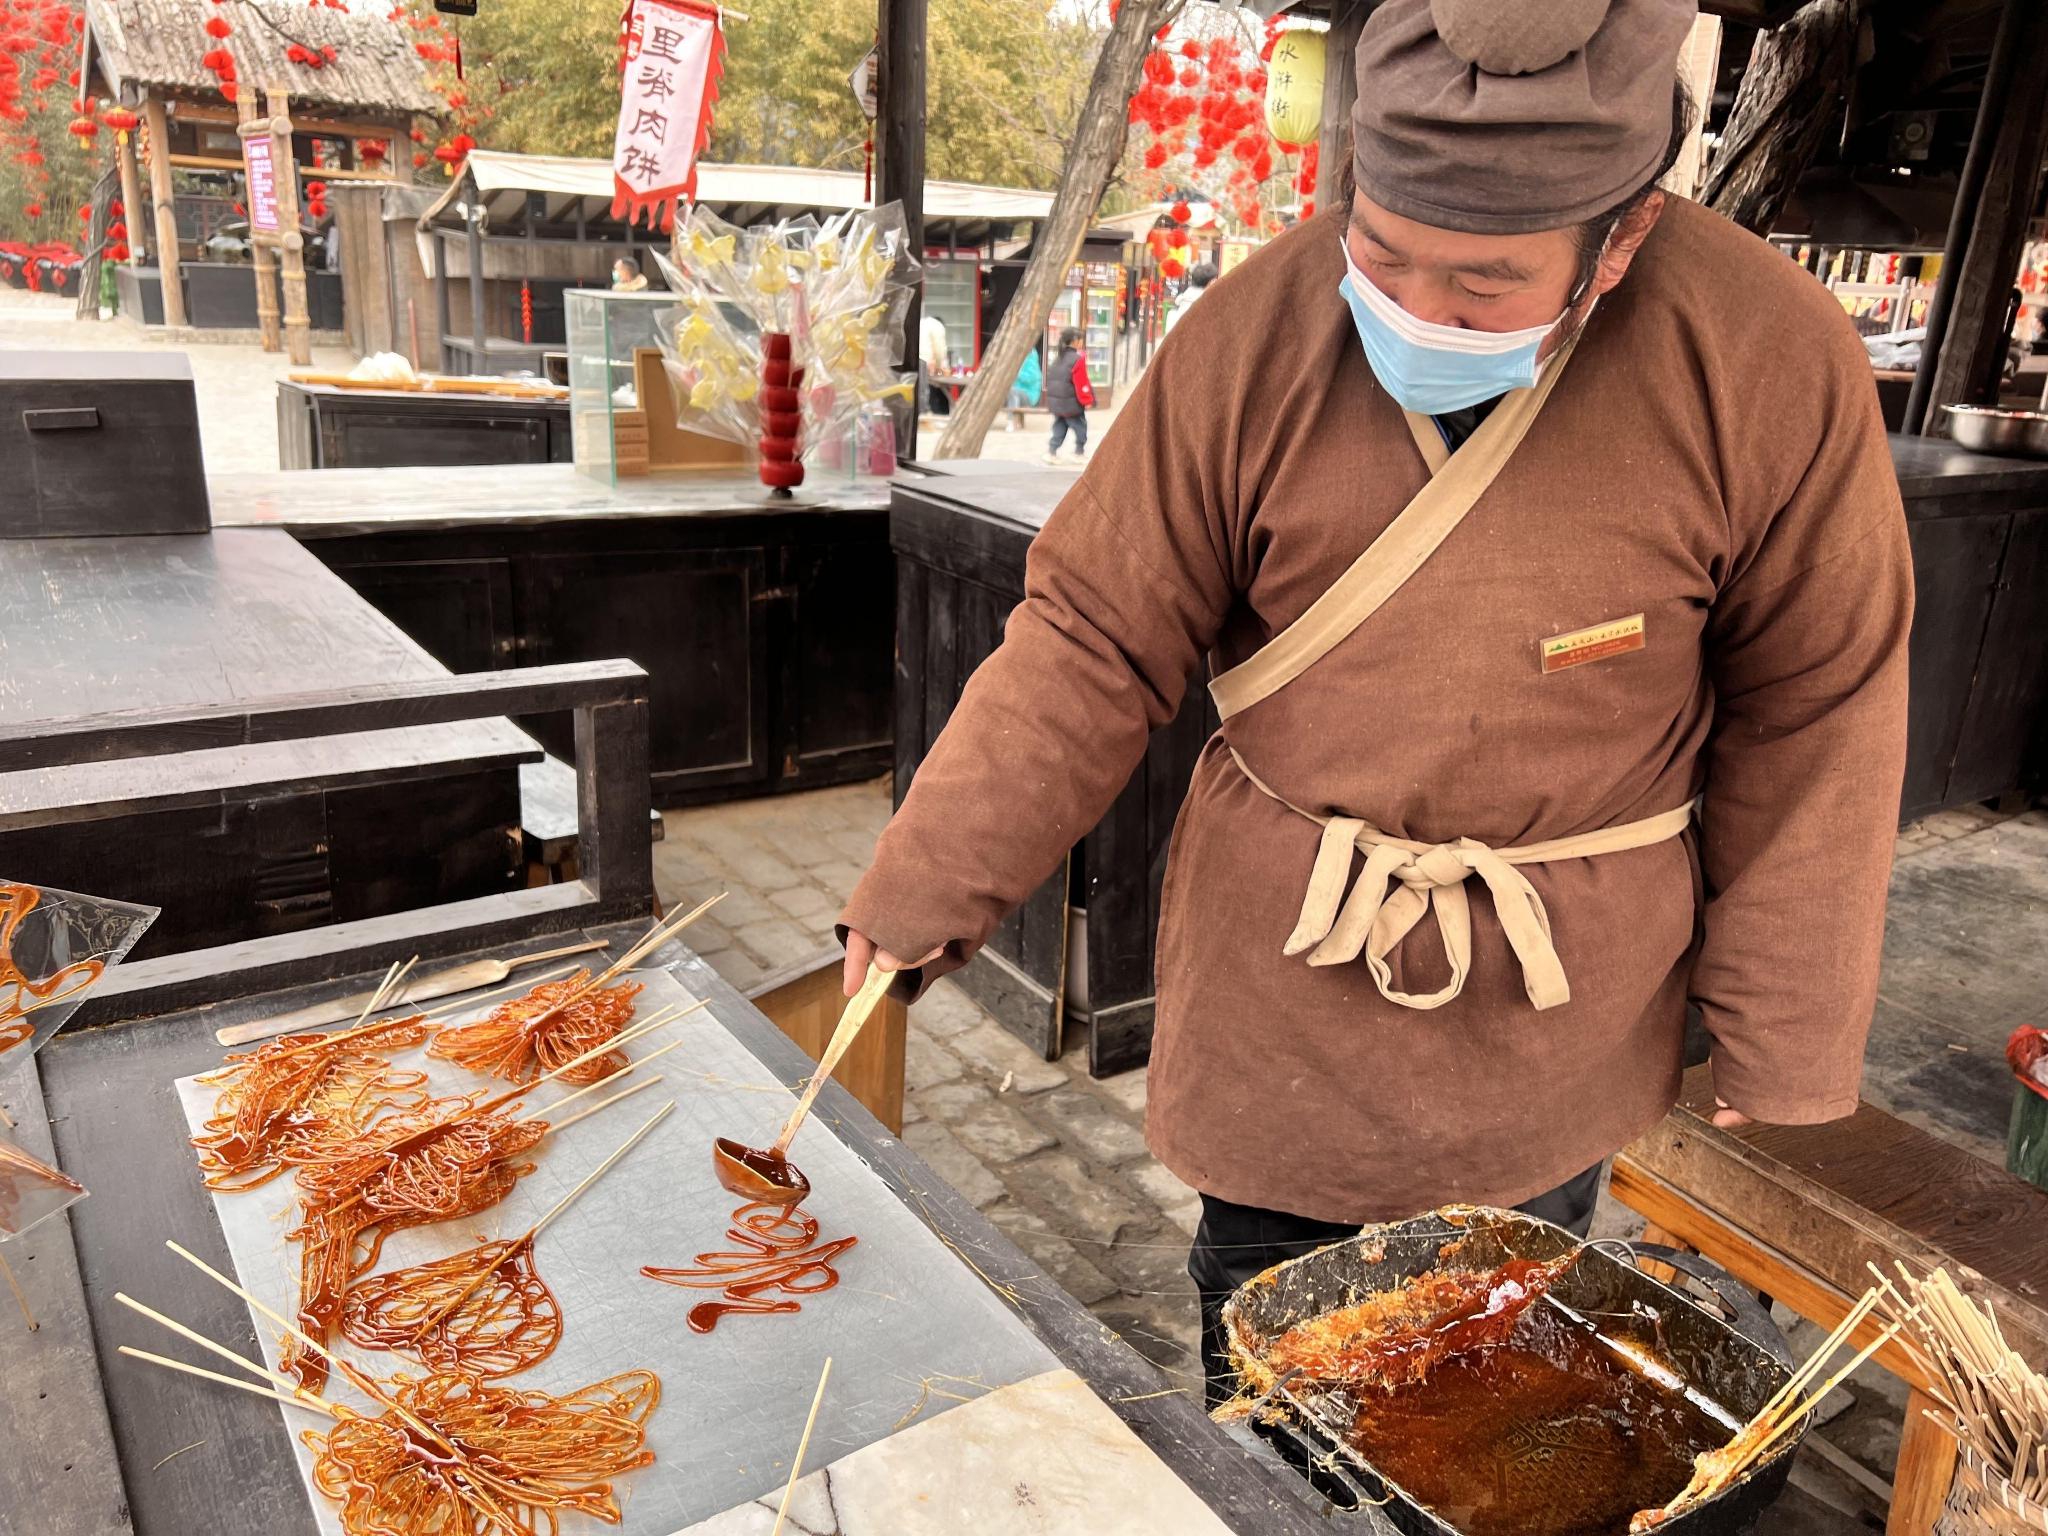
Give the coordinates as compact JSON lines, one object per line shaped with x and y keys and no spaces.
{"x":101,"y":624}
{"x":330,"y":502}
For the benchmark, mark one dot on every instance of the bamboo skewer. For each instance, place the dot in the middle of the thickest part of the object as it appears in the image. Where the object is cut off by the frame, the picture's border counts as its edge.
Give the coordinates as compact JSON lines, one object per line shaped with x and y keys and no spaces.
{"x":276,"y":1378}
{"x":623,"y":1037}
{"x":660,"y":934}
{"x":360,"y":1380}
{"x":1997,"y":1405}
{"x":546,"y":1111}
{"x":532,"y":1233}
{"x":1789,"y":1407}
{"x":319,"y":1404}
{"x":20,"y":1299}
{"x":585,"y":1114}
{"x":796,"y":1469}
{"x":596,"y":1173}
{"x":526,"y":983}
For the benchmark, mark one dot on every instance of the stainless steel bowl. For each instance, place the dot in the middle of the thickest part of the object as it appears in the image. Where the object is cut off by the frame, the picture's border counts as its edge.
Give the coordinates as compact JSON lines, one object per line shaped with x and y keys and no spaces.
{"x":1985,"y":429}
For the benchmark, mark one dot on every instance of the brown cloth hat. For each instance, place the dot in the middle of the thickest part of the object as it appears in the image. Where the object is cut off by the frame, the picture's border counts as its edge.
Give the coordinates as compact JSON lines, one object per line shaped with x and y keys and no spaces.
{"x":1499,"y":117}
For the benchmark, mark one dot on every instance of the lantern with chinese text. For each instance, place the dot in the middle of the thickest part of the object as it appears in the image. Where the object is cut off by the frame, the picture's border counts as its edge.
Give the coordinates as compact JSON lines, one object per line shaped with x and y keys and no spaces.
{"x":1294,"y":87}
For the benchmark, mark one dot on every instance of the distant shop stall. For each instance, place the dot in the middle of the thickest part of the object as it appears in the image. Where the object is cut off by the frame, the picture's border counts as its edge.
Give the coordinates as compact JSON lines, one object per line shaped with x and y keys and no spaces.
{"x":195,"y":259}
{"x":513,"y":233}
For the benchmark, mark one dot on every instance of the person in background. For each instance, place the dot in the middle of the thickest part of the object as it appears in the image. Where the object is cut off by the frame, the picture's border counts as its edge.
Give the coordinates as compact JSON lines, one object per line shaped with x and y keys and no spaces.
{"x":1025,"y":390}
{"x":934,"y":362}
{"x":1198,"y":283}
{"x":627,"y":276}
{"x":1068,"y":394}
{"x":330,"y":245}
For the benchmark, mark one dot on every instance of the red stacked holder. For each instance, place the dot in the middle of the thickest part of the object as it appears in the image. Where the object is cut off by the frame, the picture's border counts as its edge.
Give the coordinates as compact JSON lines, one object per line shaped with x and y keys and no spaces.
{"x":781,"y":415}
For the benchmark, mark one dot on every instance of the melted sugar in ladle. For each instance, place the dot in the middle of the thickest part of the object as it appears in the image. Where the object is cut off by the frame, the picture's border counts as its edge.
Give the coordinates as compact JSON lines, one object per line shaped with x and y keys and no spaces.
{"x":766,"y":1175}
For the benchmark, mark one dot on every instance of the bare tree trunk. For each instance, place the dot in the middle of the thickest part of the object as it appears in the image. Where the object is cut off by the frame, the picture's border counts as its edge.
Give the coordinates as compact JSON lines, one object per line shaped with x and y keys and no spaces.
{"x":1098,"y":145}
{"x":1784,"y":111}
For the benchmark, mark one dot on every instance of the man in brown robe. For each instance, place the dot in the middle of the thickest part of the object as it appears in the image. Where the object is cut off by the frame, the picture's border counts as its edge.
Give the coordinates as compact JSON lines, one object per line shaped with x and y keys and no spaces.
{"x":1435,"y":907}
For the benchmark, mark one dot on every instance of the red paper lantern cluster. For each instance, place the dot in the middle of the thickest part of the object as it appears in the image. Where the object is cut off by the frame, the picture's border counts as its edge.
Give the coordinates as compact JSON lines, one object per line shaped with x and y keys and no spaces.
{"x":1205,"y":101}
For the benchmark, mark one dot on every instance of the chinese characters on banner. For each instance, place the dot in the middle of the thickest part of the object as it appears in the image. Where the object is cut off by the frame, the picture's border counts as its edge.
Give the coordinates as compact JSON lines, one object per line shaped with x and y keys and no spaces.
{"x":262,"y":181}
{"x":673,"y":58}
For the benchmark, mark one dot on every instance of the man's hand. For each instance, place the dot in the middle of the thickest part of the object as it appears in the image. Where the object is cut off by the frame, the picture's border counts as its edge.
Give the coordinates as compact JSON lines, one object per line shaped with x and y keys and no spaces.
{"x":861,"y":951}
{"x":1727,"y":1119}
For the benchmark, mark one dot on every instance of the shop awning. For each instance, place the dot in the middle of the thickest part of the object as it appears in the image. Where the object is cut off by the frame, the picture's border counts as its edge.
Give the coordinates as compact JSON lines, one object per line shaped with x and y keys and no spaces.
{"x":577,"y":194}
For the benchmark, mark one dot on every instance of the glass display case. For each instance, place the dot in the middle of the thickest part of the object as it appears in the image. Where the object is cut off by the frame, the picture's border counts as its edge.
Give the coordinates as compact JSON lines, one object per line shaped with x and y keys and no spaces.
{"x":1089,"y":304}
{"x":952,"y":291}
{"x":607,"y":426}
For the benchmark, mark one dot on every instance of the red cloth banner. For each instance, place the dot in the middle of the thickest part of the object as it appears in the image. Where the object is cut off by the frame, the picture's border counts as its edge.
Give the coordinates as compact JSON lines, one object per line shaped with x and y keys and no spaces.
{"x":674,"y":53}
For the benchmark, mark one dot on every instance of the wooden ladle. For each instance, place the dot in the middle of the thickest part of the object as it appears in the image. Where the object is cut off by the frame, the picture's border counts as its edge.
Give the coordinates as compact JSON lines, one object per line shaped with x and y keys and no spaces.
{"x":766,"y":1175}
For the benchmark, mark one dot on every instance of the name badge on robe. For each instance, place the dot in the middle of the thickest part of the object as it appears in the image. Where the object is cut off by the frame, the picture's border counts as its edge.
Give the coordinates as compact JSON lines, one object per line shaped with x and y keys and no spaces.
{"x":1617,"y":637}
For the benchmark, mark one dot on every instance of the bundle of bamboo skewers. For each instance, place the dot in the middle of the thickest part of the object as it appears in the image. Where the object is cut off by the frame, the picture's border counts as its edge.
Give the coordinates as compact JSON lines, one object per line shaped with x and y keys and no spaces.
{"x":1716,"y":1471}
{"x":1997,"y":1404}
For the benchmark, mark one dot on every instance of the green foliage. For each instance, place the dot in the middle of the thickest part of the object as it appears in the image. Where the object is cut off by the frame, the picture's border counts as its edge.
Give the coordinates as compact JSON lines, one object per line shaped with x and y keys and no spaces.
{"x":1005,"y":83}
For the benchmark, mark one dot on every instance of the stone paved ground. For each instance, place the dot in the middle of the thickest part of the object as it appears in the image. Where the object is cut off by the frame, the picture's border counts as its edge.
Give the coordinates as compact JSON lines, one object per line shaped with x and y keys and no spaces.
{"x":1058,"y":1159}
{"x":236,"y":381}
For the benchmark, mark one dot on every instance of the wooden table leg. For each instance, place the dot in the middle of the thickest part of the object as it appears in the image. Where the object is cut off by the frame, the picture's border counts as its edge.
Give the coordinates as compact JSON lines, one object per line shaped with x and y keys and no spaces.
{"x":1927,"y":1464}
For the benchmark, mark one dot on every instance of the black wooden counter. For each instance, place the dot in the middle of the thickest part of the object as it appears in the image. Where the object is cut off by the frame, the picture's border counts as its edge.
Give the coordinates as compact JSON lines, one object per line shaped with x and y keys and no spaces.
{"x":87,"y":1431}
{"x":1979,"y":529}
{"x":236,"y":842}
{"x":767,"y":628}
{"x":321,"y":427}
{"x":1980,"y":628}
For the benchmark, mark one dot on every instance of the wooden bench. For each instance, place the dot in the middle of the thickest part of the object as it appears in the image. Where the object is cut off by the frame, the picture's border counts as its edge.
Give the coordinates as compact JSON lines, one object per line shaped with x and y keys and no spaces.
{"x":1798,"y":1211}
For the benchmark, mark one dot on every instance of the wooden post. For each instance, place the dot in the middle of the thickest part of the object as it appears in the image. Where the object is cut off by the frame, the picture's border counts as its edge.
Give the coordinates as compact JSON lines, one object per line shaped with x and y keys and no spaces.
{"x":899,"y":168}
{"x":1699,"y":62}
{"x":473,"y":221}
{"x":443,"y":309}
{"x":166,"y":211}
{"x":1340,"y":93}
{"x":2011,"y":137}
{"x":298,"y":328}
{"x":262,"y":244}
{"x":131,"y":197}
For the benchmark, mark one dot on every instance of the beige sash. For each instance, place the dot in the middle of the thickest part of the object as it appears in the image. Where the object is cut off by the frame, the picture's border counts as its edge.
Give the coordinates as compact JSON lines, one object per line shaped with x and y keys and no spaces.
{"x":1456,"y":483}
{"x":1424,"y":877}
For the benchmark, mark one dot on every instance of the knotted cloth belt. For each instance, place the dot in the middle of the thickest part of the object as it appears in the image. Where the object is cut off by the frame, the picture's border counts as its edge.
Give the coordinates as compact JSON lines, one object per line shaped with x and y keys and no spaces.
{"x":1430,"y":877}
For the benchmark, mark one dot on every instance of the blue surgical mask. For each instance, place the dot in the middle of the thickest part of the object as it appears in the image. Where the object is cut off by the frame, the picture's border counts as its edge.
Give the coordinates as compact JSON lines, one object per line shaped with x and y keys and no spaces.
{"x":1433,"y":369}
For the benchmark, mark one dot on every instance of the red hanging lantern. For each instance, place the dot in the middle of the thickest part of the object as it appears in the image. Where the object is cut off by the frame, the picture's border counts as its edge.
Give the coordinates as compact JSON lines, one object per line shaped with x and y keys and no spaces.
{"x":118,"y":230}
{"x":1155,"y":155}
{"x":33,"y":210}
{"x":419,"y":159}
{"x":218,"y":27}
{"x":121,"y":120}
{"x":118,"y":252}
{"x":1171,"y":269}
{"x":1180,"y":213}
{"x":84,"y":128}
{"x":372,"y":151}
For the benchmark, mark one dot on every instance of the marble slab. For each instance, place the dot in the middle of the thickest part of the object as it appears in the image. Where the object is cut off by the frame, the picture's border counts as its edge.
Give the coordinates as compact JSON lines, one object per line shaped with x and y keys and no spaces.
{"x":907,"y":1310}
{"x":1044,"y":1457}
